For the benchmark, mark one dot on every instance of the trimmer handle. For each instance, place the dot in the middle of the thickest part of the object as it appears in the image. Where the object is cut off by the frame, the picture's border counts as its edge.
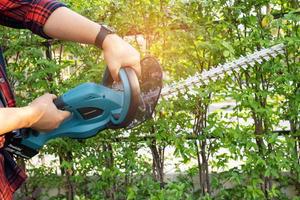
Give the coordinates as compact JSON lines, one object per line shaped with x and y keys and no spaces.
{"x":59,"y":103}
{"x":127,"y":76}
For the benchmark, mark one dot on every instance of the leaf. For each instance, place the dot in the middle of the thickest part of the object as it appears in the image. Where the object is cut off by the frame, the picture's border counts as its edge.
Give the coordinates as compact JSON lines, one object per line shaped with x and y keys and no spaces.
{"x":267,"y":20}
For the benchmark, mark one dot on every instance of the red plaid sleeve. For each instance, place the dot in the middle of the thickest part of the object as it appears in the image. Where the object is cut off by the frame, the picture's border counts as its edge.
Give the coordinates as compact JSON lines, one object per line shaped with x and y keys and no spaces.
{"x":5,"y":89}
{"x":6,"y":94}
{"x":30,"y":14}
{"x":11,"y":176}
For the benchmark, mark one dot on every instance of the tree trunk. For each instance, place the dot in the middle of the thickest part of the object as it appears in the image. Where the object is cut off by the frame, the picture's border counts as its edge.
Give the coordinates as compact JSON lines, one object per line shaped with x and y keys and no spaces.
{"x":69,"y":173}
{"x":109,"y":164}
{"x":158,"y":162}
{"x":201,"y":148}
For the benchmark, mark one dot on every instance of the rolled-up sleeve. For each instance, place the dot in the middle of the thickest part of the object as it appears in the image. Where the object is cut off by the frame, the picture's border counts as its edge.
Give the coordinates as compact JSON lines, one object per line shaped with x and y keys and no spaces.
{"x":29,"y":14}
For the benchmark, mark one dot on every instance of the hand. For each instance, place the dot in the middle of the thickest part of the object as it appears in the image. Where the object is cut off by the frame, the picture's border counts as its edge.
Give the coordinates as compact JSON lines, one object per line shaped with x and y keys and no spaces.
{"x":118,"y":53}
{"x":48,"y":117}
{"x":65,"y":24}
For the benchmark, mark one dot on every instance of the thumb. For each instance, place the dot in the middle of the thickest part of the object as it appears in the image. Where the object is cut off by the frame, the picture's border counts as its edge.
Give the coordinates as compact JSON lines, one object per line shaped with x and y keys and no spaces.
{"x":65,"y":114}
{"x":137,"y":69}
{"x":50,"y":96}
{"x":114,"y":68}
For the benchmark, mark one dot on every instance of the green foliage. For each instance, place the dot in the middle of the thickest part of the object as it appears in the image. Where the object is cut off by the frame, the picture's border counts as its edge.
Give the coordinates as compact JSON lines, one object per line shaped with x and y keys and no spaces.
{"x":187,"y":37}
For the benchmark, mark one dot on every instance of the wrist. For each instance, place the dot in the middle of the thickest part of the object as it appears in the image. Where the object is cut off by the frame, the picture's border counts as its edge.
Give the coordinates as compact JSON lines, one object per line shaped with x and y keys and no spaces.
{"x":30,"y":115}
{"x":108,"y":41}
{"x":104,"y":33}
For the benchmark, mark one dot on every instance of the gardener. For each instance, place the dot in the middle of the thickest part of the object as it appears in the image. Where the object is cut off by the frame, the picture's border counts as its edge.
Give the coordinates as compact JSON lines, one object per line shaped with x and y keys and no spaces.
{"x":49,"y":19}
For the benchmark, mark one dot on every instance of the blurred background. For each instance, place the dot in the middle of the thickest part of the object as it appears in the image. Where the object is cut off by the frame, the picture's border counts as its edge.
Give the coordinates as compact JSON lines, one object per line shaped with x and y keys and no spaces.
{"x":236,"y":138}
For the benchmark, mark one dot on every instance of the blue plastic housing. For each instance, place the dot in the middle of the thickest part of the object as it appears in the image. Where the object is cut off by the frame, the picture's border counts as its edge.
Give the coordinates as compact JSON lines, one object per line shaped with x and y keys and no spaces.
{"x":114,"y":105}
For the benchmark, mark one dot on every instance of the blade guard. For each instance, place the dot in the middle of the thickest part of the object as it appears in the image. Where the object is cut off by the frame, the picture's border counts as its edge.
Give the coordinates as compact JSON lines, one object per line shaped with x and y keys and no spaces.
{"x":107,"y":108}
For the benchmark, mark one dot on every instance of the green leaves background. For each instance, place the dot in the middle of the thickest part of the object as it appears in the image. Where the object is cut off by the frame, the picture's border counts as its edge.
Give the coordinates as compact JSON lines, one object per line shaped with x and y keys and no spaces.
{"x":187,"y":37}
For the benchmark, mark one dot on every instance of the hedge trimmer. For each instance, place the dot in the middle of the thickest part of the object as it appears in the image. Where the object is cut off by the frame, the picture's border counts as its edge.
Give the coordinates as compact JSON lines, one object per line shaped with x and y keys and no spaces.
{"x":110,"y":105}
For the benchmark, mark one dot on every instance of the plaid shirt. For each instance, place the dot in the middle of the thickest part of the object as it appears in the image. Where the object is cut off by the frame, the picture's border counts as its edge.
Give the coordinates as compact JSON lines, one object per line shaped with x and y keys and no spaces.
{"x":29,"y":14}
{"x":7,"y":95}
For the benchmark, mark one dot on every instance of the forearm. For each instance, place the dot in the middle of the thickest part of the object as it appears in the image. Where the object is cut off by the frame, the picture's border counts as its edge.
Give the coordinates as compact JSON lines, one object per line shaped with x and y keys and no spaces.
{"x":66,"y":24}
{"x":15,"y":118}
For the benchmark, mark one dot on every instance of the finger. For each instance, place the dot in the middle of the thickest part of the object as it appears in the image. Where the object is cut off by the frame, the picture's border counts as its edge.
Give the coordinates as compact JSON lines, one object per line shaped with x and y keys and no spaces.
{"x":114,"y":68}
{"x":65,"y":114}
{"x":137,"y":69}
{"x":52,"y":96}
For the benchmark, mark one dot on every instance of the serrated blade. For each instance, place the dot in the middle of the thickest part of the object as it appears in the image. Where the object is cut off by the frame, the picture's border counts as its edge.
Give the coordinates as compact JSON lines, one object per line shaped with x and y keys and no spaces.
{"x":216,"y":73}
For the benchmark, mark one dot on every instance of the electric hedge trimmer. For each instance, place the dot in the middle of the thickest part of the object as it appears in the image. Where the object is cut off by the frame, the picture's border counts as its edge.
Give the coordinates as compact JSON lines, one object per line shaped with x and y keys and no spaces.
{"x":110,"y":105}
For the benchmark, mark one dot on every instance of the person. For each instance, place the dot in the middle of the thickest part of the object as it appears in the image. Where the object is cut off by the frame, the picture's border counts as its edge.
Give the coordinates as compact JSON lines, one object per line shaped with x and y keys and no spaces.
{"x":49,"y":19}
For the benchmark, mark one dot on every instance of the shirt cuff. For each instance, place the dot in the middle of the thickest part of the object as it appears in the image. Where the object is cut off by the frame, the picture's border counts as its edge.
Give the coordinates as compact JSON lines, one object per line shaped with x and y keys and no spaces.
{"x":38,"y":15}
